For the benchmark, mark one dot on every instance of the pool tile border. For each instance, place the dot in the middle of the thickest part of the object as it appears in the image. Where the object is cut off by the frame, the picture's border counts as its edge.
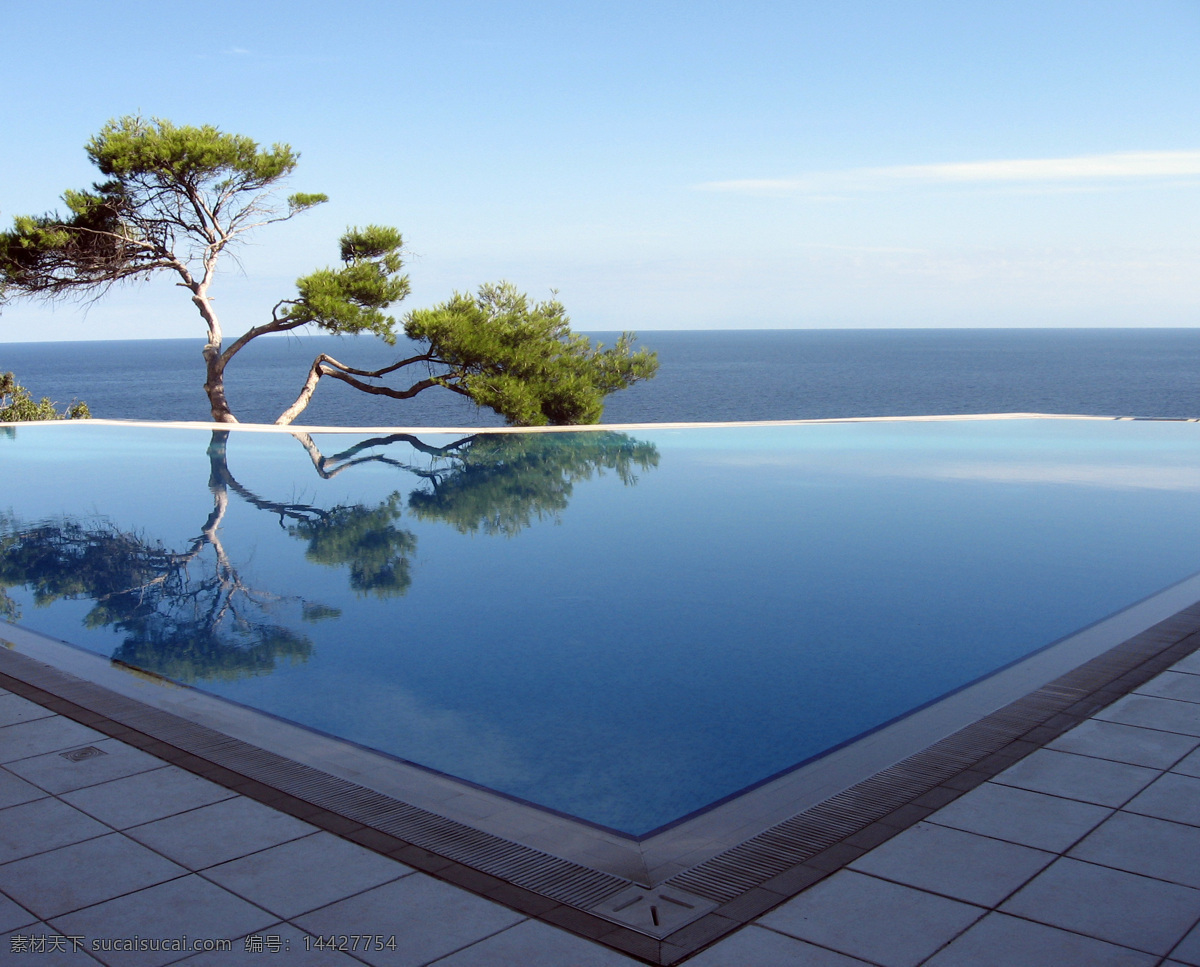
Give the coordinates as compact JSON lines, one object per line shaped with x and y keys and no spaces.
{"x":744,"y":881}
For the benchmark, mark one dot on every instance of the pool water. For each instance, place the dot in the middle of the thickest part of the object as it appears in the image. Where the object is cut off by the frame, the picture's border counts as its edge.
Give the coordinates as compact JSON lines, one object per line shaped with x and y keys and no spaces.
{"x":625,"y":627}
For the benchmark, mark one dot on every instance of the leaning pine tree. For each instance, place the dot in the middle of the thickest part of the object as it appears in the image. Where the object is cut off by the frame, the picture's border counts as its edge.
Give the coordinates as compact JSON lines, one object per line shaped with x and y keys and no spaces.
{"x":176,"y":198}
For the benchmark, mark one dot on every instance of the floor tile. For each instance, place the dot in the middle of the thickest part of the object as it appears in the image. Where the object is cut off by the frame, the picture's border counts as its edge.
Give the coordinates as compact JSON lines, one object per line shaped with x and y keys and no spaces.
{"x":1002,"y":941}
{"x":1172,"y":797}
{"x":280,"y":879}
{"x":958,"y":864}
{"x":40,"y":945}
{"x":1126,"y":743}
{"x":279,"y":945}
{"x":39,"y":736}
{"x":1188,"y":950}
{"x":223,"y":831}
{"x":1079,"y":777}
{"x":755,"y":946}
{"x":1189,"y":765}
{"x":188,"y":907}
{"x":535,"y":944}
{"x":428,"y":918}
{"x":1122,"y":908}
{"x":66,"y":879}
{"x":13,"y":915}
{"x":1189,"y":664}
{"x":865,"y":917}
{"x":147,"y":796}
{"x":57,"y":773}
{"x":45,"y":824}
{"x":14,"y":790}
{"x":1021,"y":816}
{"x":14,"y":709}
{"x":1176,"y":685}
{"x":1140,"y":844}
{"x":1154,"y":713}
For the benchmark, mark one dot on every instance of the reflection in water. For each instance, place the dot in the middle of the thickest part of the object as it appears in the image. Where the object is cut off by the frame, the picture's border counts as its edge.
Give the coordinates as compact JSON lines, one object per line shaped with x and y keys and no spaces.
{"x":185,"y":614}
{"x":189,"y":615}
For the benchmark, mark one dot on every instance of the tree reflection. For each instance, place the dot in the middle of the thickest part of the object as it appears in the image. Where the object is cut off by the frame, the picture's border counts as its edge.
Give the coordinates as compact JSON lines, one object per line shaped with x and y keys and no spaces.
{"x":189,"y":614}
{"x":186,"y":615}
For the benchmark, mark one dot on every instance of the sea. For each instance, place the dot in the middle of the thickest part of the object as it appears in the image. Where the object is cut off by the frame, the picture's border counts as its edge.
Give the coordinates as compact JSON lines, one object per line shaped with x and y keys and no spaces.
{"x":703,"y":376}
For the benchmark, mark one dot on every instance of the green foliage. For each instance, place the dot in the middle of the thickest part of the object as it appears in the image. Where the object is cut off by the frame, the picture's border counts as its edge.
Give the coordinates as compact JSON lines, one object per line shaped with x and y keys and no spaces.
{"x":174,"y":198}
{"x":521,"y":359}
{"x":351,"y":300}
{"x":165,"y":154}
{"x":17,"y":406}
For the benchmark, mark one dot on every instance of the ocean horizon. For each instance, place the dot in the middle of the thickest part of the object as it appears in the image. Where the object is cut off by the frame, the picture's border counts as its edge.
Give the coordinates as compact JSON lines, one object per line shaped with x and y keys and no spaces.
{"x":704,"y":375}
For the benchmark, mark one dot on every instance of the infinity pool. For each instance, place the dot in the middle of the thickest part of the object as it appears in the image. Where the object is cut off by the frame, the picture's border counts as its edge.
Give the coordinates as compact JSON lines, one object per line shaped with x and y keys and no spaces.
{"x":625,"y":627}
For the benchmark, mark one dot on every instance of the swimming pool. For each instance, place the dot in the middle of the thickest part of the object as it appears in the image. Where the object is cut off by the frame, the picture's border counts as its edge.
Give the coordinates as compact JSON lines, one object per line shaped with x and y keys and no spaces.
{"x":625,"y":627}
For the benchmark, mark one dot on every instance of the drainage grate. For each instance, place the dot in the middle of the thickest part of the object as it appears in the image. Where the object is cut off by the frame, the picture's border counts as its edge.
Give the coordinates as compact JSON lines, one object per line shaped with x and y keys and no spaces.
{"x":657,"y":912}
{"x":78,"y":755}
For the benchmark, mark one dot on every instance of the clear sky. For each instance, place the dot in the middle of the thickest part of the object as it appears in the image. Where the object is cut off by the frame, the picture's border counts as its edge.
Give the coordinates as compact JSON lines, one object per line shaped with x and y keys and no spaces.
{"x":663,"y":165}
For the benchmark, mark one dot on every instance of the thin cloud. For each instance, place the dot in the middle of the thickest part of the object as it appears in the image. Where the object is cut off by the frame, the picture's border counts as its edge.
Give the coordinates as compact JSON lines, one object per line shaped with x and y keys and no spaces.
{"x":1084,"y":169}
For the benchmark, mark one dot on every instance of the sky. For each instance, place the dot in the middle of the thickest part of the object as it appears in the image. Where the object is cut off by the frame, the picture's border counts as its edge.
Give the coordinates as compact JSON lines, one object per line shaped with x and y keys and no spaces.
{"x":661,"y":165}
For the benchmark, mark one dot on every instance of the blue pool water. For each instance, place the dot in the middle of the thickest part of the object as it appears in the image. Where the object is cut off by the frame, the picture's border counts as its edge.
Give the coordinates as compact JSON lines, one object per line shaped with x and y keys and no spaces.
{"x":624,"y":627}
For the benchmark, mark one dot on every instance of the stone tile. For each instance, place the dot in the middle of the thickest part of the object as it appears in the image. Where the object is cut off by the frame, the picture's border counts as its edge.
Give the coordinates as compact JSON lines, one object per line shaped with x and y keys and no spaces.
{"x":190,"y":906}
{"x":882,"y":922}
{"x":39,"y":736}
{"x":57,"y":774}
{"x":14,"y":709}
{"x":1001,"y":941}
{"x":39,"y":947}
{"x":535,"y":944}
{"x":1190,"y":664}
{"x":1172,"y":797}
{"x":1078,"y":777}
{"x":45,"y":824}
{"x":1188,"y":950}
{"x":958,"y":864}
{"x":1140,"y":844}
{"x":147,"y":796}
{"x":280,"y":879}
{"x":1154,"y":713}
{"x":1122,"y":908}
{"x":755,"y":946}
{"x":223,"y":831}
{"x":1126,"y":743}
{"x":292,"y":951}
{"x":429,"y":919}
{"x":1189,"y":765}
{"x":1021,"y":816}
{"x":15,"y":790}
{"x":1176,"y":685}
{"x":63,"y":880}
{"x":13,"y":915}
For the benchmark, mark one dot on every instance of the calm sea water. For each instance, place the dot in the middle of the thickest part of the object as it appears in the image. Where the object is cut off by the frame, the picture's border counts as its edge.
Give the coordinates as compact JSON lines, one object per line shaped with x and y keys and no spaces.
{"x":713,"y":375}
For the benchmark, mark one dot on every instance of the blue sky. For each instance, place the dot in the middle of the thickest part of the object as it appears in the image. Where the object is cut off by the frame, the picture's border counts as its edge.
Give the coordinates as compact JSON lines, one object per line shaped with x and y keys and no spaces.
{"x":662,"y":165}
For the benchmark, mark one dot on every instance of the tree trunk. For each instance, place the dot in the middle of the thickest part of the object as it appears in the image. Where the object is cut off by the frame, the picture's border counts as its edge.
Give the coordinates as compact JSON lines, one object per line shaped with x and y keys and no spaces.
{"x":214,"y":364}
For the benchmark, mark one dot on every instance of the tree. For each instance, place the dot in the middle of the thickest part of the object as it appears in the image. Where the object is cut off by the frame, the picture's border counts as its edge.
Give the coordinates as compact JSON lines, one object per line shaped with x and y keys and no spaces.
{"x":177,"y":198}
{"x":17,"y":405}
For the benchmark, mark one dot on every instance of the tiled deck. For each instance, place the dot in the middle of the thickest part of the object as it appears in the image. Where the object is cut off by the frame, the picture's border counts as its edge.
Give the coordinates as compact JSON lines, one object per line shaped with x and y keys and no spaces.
{"x":1086,"y":852}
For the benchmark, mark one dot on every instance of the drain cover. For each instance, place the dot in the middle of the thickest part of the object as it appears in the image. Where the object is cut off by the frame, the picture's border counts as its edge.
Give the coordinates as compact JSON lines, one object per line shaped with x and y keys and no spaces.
{"x":656,"y":912}
{"x":87,"y":752}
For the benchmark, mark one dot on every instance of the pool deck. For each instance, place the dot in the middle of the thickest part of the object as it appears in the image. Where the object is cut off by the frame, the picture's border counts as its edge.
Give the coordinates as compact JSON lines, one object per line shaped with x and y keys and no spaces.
{"x":1084,"y":852}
